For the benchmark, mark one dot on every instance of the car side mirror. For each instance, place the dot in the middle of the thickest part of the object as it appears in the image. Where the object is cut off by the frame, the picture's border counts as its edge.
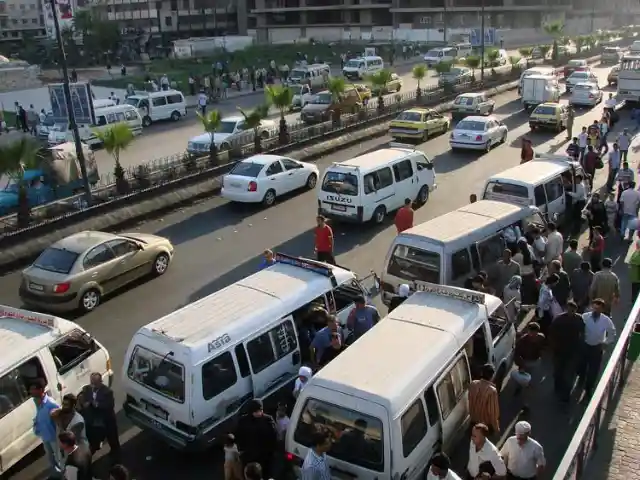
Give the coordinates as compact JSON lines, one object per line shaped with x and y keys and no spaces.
{"x":140,"y":246}
{"x":429,"y":166}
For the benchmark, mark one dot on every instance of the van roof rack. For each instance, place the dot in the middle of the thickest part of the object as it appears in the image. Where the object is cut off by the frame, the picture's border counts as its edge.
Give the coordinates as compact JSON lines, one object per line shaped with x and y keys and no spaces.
{"x":452,"y":292}
{"x":402,"y":145}
{"x":307,"y":264}
{"x":30,"y":317}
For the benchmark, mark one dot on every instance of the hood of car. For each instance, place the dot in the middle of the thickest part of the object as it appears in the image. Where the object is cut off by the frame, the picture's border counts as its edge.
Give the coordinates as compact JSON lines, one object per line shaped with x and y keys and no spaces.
{"x":206,"y":138}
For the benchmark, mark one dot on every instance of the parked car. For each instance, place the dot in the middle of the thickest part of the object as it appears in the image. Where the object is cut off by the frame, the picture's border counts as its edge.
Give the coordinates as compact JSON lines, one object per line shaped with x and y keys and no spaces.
{"x":478,"y":133}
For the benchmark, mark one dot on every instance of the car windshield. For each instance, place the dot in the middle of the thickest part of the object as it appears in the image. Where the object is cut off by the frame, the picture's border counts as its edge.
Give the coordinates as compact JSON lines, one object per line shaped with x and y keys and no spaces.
{"x":246,"y":169}
{"x":543,"y":110}
{"x":471,"y":125}
{"x":56,"y":260}
{"x":132,"y":101}
{"x":357,"y":437}
{"x":578,"y":75}
{"x":342,"y":183}
{"x":355,"y":64}
{"x":409,"y":117}
{"x":323,"y":99}
{"x":455,"y":72}
{"x":157,"y":372}
{"x":412,"y":264}
{"x":297,"y":73}
{"x":462,"y":100}
{"x":432,"y":53}
{"x":227,"y":126}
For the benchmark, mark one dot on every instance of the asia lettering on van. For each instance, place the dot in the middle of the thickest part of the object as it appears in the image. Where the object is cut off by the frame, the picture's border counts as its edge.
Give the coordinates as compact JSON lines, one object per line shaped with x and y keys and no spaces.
{"x":389,"y":403}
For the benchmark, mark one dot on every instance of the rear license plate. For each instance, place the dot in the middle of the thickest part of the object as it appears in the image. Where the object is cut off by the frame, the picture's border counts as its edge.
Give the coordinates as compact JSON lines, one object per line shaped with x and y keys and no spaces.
{"x":235,"y":185}
{"x":158,"y":412}
{"x":339,"y":208}
{"x":35,"y":286}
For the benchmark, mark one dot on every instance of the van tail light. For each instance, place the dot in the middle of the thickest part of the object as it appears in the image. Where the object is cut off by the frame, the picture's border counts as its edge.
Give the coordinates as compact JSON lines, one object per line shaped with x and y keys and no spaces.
{"x":61,"y":287}
{"x":591,"y":95}
{"x":253,"y":187}
{"x":293,"y":459}
{"x":478,"y":138}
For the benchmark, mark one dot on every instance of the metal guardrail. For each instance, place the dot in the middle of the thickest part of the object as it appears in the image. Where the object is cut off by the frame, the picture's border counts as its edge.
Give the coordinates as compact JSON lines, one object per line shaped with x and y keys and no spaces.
{"x":585,"y":441}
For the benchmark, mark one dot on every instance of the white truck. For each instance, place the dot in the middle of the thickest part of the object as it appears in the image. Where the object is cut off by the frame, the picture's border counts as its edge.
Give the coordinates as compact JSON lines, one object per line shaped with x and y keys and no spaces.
{"x":629,"y":78}
{"x":231,"y":133}
{"x":539,"y":89}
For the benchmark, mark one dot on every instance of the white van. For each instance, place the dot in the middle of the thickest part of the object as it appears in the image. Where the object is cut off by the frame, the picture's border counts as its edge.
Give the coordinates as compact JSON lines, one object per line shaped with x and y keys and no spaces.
{"x":542,"y":182}
{"x":440,"y":55}
{"x":105,"y":117}
{"x":103,"y":102}
{"x":156,"y":106}
{"x":399,"y":394}
{"x":464,"y":49}
{"x":38,"y":346}
{"x":452,"y":247}
{"x":370,"y":186}
{"x":635,"y":47}
{"x":359,"y":68}
{"x":539,"y":89}
{"x":544,"y":71}
{"x":188,"y":375}
{"x":316,"y":76}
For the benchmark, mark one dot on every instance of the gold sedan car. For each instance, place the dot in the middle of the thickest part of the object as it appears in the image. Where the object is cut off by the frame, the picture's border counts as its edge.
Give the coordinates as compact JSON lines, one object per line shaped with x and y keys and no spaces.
{"x":75,"y":273}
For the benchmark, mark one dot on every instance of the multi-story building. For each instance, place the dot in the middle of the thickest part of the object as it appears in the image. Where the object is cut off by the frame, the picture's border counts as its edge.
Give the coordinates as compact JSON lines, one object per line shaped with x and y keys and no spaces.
{"x":19,"y":18}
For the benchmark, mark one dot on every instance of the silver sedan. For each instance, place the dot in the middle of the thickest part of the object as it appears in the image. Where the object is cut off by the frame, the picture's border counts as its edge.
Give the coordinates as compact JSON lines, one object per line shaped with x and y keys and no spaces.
{"x":585,"y":94}
{"x":478,"y":133}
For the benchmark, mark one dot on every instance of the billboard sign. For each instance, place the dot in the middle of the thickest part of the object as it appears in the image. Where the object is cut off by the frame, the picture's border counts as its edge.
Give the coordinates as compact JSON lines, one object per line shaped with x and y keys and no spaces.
{"x":81,"y":102}
{"x":476,"y":37}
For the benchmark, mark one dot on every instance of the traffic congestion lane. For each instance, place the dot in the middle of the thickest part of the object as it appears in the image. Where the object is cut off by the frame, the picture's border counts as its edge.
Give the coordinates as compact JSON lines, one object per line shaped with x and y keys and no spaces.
{"x":169,"y":138}
{"x":218,"y":243}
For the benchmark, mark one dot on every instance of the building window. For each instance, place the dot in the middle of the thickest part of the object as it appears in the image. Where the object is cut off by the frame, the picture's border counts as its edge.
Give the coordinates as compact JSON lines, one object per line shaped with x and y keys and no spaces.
{"x":167,"y":21}
{"x":14,"y":34}
{"x":185,"y":5}
{"x":158,"y":5}
{"x":34,"y":21}
{"x":32,"y":6}
{"x":174,"y":5}
{"x":22,"y":6}
{"x":25,"y":21}
{"x":14,"y":21}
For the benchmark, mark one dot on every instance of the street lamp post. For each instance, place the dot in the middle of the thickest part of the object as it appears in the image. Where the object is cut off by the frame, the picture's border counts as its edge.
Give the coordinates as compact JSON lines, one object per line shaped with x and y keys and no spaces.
{"x":482,"y":41}
{"x":73,"y":126}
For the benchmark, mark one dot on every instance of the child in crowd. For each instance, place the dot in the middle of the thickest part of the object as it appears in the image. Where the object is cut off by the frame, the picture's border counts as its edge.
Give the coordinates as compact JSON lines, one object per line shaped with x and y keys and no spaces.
{"x":232,"y":463}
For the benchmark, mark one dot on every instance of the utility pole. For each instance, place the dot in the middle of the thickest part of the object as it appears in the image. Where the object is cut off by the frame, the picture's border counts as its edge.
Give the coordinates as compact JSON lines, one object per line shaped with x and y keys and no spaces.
{"x":444,"y":22}
{"x":482,"y":41}
{"x":73,"y":126}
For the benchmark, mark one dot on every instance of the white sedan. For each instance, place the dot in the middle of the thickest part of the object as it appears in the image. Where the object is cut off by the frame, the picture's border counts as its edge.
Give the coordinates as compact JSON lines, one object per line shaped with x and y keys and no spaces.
{"x":588,"y":94}
{"x":478,"y":133}
{"x":263,"y":178}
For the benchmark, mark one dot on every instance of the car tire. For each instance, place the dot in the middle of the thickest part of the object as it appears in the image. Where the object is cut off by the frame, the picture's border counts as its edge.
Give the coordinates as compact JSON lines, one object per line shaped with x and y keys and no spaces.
{"x":487,"y":147}
{"x":175,"y":116}
{"x":161,"y":264}
{"x":146,"y":121}
{"x":503,"y":140}
{"x":312,"y":180}
{"x":90,"y":300}
{"x":445,"y":128}
{"x":379,"y":215}
{"x":423,"y":195}
{"x":269,"y":198}
{"x":425,"y":135}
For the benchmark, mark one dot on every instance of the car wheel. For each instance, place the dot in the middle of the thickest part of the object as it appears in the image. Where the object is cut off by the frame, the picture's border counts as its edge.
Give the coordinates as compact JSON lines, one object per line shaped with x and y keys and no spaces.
{"x":160,"y":264}
{"x":487,"y":147}
{"x":504,"y":138}
{"x":425,"y":135}
{"x":379,"y":215}
{"x":90,"y":300}
{"x":423,"y":195}
{"x":146,"y":121}
{"x":445,"y":127}
{"x":269,"y":198}
{"x":175,"y":116}
{"x":311,"y":181}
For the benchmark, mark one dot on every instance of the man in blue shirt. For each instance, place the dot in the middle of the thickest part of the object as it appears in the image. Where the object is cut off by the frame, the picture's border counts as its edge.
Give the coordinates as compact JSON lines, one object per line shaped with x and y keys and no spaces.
{"x":362,"y":318}
{"x":44,"y":426}
{"x":322,"y":339}
{"x":268,"y":259}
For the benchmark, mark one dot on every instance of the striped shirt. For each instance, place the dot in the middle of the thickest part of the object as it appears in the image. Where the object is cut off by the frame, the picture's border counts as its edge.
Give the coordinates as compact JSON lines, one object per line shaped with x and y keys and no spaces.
{"x":315,"y":467}
{"x":483,"y":404}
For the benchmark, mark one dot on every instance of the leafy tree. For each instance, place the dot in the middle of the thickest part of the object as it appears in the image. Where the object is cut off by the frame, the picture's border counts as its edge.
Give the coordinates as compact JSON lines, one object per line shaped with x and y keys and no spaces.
{"x":99,"y":37}
{"x":115,"y":139}
{"x":514,"y":60}
{"x":443,"y":67}
{"x":252,"y":121}
{"x":525,"y":52}
{"x":15,"y":158}
{"x":379,"y":83}
{"x":336,"y":87}
{"x":492,"y":57}
{"x":419,"y":73}
{"x":473,"y":62}
{"x":211,"y":124}
{"x":590,"y":42}
{"x":544,"y":50}
{"x":555,"y":30}
{"x":280,"y":97}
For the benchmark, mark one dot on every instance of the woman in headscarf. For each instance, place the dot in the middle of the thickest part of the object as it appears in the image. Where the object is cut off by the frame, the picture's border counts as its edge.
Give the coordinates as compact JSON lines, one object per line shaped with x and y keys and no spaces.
{"x":525,"y":258}
{"x":304,"y":375}
{"x":511,"y":296}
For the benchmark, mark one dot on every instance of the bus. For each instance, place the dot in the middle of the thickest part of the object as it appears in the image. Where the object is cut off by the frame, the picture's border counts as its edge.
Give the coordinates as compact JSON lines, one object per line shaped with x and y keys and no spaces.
{"x":629,"y":79}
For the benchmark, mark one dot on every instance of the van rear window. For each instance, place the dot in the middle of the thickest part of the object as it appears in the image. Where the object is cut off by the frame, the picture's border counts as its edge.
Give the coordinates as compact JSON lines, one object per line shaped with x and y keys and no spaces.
{"x":412,"y":264}
{"x":507,"y":189}
{"x":157,"y":372}
{"x":342,"y":183}
{"x":357,"y":438}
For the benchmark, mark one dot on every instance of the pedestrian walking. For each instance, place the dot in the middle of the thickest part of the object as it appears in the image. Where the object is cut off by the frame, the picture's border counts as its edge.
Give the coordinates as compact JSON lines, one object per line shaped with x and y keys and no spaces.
{"x":315,"y":465}
{"x":232,"y":463}
{"x":578,"y":202}
{"x":119,"y":472}
{"x":404,"y":217}
{"x":573,"y":150}
{"x":362,"y":318}
{"x":512,"y":297}
{"x":484,"y":406}
{"x":591,"y":161}
{"x":484,"y":458}
{"x":571,"y":116}
{"x":581,"y":280}
{"x":322,"y":339}
{"x":606,"y":286}
{"x":562,"y":289}
{"x":404,"y":291}
{"x":202,"y":103}
{"x":629,"y":204}
{"x":523,"y":456}
{"x":504,"y":271}
{"x":566,"y":335}
{"x":555,"y":244}
{"x":76,"y":459}
{"x":624,"y":142}
{"x":304,"y":375}
{"x":571,"y":259}
{"x":625,"y":178}
{"x":525,"y":258}
{"x":599,"y":331}
{"x":526,"y":152}
{"x":68,"y":419}
{"x":324,"y":241}
{"x":257,"y":437}
{"x":44,"y":426}
{"x":97,"y":406}
{"x":440,"y":468}
{"x":634,"y":272}
{"x":614,"y":166}
{"x":583,"y":142}
{"x":547,"y":304}
{"x":596,"y":249}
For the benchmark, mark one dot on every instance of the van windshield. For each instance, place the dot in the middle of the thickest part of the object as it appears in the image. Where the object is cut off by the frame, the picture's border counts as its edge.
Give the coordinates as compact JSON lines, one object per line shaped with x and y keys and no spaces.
{"x":357,"y":438}
{"x":355,"y":64}
{"x":157,"y":372}
{"x":411,"y":263}
{"x":342,"y":183}
{"x":297,"y":73}
{"x":433,"y":53}
{"x":507,"y":189}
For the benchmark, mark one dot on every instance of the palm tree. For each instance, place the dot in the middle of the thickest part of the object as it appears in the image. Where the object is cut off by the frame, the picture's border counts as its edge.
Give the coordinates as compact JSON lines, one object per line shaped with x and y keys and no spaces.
{"x":514,"y":60}
{"x":419,"y":73}
{"x":555,"y":30}
{"x":15,"y":158}
{"x":211,"y":123}
{"x":281,"y":97}
{"x":115,"y":139}
{"x":336,"y":87}
{"x":473,"y":62}
{"x":252,"y":121}
{"x":379,"y":82}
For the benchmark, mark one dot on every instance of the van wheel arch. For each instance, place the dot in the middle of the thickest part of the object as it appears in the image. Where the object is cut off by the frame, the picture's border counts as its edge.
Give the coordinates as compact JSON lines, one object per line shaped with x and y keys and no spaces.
{"x":379,"y":215}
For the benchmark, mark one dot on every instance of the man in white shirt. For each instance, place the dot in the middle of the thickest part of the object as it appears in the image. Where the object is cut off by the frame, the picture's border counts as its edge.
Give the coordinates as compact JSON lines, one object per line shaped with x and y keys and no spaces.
{"x":624,"y":142}
{"x":599,"y":331}
{"x":583,"y":141}
{"x":441,"y":468}
{"x":555,"y":244}
{"x":202,"y":102}
{"x":630,"y":201}
{"x":610,"y":102}
{"x":614,"y":166}
{"x":484,"y":457}
{"x":523,"y":456}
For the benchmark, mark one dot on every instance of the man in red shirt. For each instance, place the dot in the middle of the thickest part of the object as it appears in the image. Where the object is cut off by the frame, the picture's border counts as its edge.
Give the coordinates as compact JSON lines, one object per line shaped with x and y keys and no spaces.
{"x":324,"y":241}
{"x":404,"y":217}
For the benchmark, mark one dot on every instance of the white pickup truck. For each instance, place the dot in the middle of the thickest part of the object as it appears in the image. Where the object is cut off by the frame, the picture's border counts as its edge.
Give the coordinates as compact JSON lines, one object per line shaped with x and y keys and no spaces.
{"x":231,"y":133}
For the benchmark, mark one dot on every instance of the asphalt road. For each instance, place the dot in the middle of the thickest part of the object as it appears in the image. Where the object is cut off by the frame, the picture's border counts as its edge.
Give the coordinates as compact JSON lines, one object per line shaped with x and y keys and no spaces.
{"x":167,"y":138}
{"x":218,"y":243}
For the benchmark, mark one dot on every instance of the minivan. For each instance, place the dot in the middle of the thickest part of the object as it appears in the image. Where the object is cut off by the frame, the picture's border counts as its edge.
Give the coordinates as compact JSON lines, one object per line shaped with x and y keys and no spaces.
{"x":156,"y":106}
{"x":440,"y":55}
{"x":359,"y":68}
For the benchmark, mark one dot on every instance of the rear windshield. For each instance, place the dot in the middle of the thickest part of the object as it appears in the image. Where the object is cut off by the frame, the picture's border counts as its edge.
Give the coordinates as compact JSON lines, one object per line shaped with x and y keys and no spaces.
{"x":246,"y":169}
{"x":540,"y":110}
{"x":56,"y":260}
{"x":507,"y":189}
{"x":412,"y":264}
{"x":157,"y":372}
{"x":409,"y":117}
{"x":461,"y":100}
{"x":357,"y":438}
{"x":471,"y":125}
{"x":342,"y":183}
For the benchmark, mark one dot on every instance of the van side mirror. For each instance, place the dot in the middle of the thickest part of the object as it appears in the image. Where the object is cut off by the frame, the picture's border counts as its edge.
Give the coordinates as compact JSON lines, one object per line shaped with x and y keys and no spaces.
{"x":429,"y":166}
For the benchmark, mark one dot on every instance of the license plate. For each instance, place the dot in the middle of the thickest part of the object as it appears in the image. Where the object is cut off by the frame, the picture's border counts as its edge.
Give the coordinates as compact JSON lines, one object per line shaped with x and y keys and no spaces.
{"x":235,"y":185}
{"x":339,"y":208}
{"x":464,"y":135}
{"x":35,"y":286}
{"x":158,"y":412}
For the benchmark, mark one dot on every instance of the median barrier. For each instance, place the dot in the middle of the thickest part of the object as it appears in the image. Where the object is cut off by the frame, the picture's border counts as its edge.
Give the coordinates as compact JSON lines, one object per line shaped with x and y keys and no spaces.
{"x":112,"y":213}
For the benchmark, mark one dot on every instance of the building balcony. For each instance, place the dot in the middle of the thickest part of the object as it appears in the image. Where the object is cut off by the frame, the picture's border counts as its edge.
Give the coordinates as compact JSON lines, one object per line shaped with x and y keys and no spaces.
{"x":275,"y":6}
